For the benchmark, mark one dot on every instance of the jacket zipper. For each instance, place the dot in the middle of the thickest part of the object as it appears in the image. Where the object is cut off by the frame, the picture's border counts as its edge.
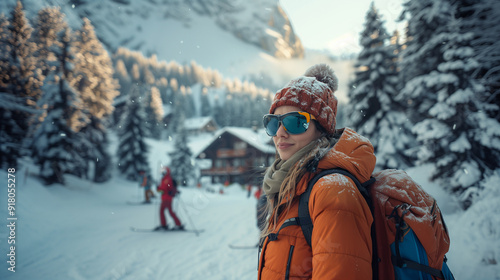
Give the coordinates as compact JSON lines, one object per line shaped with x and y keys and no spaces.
{"x":290,"y":253}
{"x":260,"y":261}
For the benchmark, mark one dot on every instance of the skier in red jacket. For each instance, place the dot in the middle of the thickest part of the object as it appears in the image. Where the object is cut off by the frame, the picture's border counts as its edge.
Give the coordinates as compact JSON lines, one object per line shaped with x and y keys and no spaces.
{"x":168,"y":188}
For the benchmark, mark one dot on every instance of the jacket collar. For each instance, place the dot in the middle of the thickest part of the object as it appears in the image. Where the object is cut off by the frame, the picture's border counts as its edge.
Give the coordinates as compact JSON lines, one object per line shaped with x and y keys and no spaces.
{"x":353,"y":152}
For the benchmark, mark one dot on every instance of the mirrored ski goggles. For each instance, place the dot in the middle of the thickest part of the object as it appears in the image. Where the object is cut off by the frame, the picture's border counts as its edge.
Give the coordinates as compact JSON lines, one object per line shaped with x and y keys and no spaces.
{"x":293,"y":123}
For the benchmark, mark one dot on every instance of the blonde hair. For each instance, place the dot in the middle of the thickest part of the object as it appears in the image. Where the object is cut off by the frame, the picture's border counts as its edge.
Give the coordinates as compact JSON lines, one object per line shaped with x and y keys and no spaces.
{"x":274,"y":207}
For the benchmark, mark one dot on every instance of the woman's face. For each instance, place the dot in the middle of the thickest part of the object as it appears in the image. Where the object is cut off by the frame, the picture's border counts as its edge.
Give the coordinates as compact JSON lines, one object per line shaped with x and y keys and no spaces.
{"x":288,"y":144}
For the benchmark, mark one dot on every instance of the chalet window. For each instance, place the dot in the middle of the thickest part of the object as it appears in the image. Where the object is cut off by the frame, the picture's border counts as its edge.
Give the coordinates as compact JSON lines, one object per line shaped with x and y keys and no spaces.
{"x":240,"y":145}
{"x":238,"y":162}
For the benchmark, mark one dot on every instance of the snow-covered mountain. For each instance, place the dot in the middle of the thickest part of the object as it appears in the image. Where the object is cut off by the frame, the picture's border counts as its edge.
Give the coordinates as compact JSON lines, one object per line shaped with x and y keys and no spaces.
{"x":182,"y":29}
{"x":235,"y":37}
{"x":261,"y":23}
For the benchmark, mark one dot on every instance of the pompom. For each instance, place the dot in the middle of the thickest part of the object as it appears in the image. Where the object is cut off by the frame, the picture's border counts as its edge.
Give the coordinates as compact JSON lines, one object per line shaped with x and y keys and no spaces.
{"x":324,"y":74}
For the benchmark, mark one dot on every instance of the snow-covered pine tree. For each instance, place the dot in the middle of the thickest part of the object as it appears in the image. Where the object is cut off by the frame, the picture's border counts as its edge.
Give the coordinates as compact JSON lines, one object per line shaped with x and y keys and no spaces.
{"x":10,"y":149}
{"x":243,"y":116}
{"x":125,"y":82}
{"x":48,"y":24}
{"x":97,"y":165}
{"x":135,"y":74}
{"x":173,"y":87}
{"x":219,"y":113}
{"x":459,"y":138}
{"x":427,"y":20}
{"x":48,"y":27}
{"x":97,"y":87}
{"x":132,"y":150}
{"x":482,"y":18}
{"x":233,"y":106}
{"x":10,"y":131}
{"x":18,"y":76}
{"x":156,"y":103}
{"x":154,"y":113}
{"x":373,"y":111}
{"x":260,"y":106}
{"x":216,"y":79}
{"x":182,"y":105}
{"x":206,"y":107}
{"x":187,"y":101}
{"x":94,"y":72}
{"x":198,"y":75}
{"x":181,"y":162}
{"x":54,"y":142}
{"x":121,"y":75}
{"x":147,"y":76}
{"x":24,"y":79}
{"x":225,"y":110}
{"x":5,"y":50}
{"x":397,"y":45}
{"x":162,"y":85}
{"x":248,"y":101}
{"x":261,"y":96}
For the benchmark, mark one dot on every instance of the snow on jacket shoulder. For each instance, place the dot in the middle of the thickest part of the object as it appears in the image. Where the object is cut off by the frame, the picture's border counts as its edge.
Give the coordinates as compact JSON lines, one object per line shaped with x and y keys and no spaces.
{"x":341,"y":242}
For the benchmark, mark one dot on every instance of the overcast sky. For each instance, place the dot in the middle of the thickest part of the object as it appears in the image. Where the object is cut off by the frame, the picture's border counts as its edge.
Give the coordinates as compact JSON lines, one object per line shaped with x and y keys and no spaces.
{"x":335,"y":25}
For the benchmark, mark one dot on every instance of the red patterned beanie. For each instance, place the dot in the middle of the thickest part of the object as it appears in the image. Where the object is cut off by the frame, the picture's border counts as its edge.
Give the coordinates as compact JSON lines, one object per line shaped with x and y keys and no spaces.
{"x":312,"y":93}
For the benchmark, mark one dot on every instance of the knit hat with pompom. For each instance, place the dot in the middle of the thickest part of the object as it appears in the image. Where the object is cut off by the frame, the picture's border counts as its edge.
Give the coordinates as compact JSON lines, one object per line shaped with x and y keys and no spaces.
{"x":312,"y":93}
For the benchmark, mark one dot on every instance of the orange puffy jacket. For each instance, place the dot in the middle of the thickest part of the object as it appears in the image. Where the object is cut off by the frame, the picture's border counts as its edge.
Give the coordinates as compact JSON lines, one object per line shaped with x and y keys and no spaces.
{"x":341,"y":246}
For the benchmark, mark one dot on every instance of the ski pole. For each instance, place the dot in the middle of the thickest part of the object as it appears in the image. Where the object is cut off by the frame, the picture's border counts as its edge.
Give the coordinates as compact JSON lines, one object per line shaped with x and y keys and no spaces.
{"x":139,"y":194}
{"x":189,"y":217}
{"x":157,"y":210}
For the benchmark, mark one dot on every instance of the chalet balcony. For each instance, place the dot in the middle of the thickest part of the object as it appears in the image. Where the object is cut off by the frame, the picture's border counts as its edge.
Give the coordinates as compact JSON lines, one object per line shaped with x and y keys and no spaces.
{"x":231,"y":153}
{"x":228,"y":170}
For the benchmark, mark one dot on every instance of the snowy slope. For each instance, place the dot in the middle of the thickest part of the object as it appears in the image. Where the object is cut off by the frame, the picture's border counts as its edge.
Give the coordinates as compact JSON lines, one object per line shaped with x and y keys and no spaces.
{"x":81,"y":231}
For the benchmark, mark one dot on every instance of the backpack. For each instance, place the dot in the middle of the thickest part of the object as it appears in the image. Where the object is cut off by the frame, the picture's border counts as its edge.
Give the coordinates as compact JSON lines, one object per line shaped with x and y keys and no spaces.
{"x":173,"y":191}
{"x":409,"y":236}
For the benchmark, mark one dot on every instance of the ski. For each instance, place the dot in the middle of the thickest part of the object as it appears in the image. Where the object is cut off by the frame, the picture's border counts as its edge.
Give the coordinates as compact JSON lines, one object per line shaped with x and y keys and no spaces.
{"x":243,"y":246}
{"x":138,"y":203}
{"x":196,"y":231}
{"x":134,"y":229}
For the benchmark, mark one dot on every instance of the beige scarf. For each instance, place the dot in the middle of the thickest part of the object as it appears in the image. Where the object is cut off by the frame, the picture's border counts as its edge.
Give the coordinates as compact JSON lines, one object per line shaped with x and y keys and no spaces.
{"x":277,"y":172}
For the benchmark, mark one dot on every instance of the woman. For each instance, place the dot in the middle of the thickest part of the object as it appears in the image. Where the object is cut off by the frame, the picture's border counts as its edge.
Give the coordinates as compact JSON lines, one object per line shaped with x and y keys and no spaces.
{"x":302,"y":124}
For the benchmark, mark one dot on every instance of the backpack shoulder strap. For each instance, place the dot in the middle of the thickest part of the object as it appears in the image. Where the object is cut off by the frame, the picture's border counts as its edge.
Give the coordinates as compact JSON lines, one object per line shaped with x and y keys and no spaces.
{"x":304,"y":216}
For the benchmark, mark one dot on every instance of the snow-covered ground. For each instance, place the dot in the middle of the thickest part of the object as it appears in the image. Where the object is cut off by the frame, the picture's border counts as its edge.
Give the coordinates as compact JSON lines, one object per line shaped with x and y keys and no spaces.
{"x":82,"y":231}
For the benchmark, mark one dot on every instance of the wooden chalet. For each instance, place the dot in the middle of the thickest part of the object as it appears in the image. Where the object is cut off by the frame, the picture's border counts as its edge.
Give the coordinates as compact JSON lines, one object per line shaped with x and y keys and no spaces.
{"x":238,"y":155}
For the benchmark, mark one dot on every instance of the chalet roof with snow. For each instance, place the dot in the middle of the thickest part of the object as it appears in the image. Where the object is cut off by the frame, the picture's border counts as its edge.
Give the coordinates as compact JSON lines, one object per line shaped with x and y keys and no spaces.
{"x":257,"y":139}
{"x":198,"y":123}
